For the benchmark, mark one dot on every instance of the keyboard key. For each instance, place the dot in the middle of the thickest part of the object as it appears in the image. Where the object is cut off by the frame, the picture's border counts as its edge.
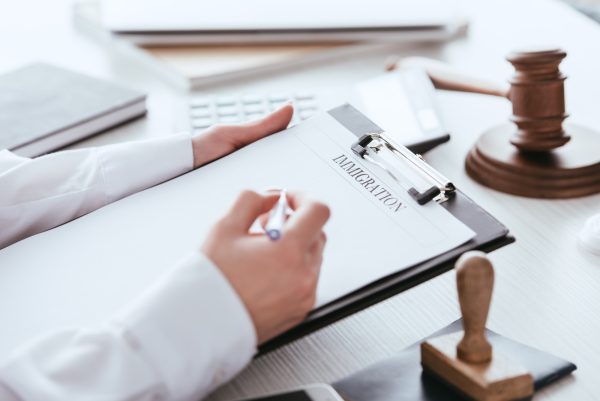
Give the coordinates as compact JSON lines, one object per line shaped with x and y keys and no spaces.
{"x":227,"y":110}
{"x":304,"y":114}
{"x":225,"y":101}
{"x":229,"y":119}
{"x":306,"y":105}
{"x":278,"y":105}
{"x":202,"y":122}
{"x":200,"y":112}
{"x":304,"y":96}
{"x":254,"y":108}
{"x":254,"y":116}
{"x":200,"y":102}
{"x":279,"y":97}
{"x":251,"y":99}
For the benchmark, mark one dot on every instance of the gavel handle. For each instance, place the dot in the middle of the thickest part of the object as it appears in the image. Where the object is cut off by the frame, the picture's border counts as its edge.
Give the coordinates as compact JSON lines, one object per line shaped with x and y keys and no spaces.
{"x":445,"y":77}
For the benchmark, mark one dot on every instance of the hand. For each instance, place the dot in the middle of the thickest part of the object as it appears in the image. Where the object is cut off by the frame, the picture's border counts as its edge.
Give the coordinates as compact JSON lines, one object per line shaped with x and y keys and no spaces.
{"x":276,"y":280}
{"x":220,"y":140}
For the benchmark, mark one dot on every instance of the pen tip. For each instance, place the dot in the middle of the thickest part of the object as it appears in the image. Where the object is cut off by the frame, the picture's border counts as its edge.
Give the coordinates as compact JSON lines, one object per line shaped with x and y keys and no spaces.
{"x":274,"y":235}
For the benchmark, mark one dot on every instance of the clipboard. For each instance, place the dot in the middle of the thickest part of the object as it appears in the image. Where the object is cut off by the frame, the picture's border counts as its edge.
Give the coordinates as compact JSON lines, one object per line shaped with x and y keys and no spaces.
{"x":490,"y":235}
{"x":147,"y":246}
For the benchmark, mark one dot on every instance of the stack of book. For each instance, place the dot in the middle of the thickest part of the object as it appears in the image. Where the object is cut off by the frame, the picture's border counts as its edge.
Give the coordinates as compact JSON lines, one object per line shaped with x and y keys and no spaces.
{"x":192,"y":64}
{"x":196,"y":66}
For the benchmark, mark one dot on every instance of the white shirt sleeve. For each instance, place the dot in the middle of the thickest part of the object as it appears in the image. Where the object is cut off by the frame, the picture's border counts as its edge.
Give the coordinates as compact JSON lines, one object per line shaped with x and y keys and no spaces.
{"x":181,"y":339}
{"x":42,"y":193}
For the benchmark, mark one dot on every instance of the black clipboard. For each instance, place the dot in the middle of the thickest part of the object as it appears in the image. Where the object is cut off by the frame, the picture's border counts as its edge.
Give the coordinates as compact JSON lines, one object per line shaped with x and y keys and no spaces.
{"x":490,"y":235}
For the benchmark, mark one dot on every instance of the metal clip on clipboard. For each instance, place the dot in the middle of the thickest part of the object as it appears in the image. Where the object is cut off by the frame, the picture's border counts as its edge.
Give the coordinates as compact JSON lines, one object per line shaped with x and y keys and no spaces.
{"x":369,"y":145}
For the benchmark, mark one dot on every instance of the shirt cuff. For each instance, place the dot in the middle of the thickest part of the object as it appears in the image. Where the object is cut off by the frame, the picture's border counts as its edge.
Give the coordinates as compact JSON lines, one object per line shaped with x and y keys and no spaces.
{"x":9,"y":160}
{"x":192,"y":327}
{"x":7,"y":395}
{"x":132,"y":167}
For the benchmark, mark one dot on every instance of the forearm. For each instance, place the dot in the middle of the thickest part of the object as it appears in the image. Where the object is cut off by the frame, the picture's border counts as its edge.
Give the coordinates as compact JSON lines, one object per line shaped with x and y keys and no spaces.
{"x":182,"y":338}
{"x":42,"y":193}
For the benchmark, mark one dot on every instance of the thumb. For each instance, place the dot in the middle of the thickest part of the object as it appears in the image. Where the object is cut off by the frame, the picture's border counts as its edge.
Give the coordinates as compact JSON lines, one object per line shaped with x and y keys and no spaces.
{"x":248,"y":207}
{"x":245,"y":134}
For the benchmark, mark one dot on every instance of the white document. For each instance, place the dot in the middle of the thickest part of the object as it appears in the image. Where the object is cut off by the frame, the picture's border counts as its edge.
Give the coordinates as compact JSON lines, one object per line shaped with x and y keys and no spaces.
{"x":375,"y":229}
{"x":168,"y":22}
{"x":84,"y":271}
{"x":271,"y":15}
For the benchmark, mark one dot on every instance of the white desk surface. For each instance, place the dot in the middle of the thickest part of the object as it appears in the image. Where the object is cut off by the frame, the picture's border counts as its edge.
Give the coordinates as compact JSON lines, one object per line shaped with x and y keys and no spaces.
{"x":547,"y":291}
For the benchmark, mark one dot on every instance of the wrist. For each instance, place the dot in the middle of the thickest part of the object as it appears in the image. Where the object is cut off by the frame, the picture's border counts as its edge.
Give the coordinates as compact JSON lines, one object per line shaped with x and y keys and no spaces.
{"x":197,"y":151}
{"x":207,"y":147}
{"x":192,"y":309}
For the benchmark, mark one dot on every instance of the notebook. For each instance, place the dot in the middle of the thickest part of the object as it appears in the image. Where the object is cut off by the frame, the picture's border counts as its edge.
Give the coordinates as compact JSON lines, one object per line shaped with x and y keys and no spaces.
{"x":44,"y":108}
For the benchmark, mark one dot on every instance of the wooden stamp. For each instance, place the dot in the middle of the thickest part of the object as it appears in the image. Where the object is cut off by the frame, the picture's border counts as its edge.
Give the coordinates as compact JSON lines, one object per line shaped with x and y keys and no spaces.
{"x":465,"y":360}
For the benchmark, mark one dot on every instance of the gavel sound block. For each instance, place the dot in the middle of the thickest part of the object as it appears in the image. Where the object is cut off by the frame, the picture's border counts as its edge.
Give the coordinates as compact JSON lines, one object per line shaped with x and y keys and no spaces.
{"x":466,"y":360}
{"x":535,"y":155}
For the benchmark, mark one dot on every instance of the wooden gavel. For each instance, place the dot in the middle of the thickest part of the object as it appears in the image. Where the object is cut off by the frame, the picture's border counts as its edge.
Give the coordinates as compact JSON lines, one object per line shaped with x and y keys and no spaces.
{"x":536,"y":92}
{"x":534,"y":155}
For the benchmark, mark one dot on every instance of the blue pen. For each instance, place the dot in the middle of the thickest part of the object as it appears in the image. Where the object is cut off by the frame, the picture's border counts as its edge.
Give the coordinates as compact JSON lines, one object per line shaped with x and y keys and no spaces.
{"x":274,"y":227}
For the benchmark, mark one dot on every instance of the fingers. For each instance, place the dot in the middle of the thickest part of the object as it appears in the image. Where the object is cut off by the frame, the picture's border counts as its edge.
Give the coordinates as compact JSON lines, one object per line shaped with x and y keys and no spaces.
{"x":309,"y":223}
{"x":391,"y":63}
{"x":247,"y":208}
{"x":244,"y":134}
{"x":314,"y":259}
{"x":315,"y":251}
{"x":264,"y":218}
{"x":274,"y":122}
{"x":306,"y":224}
{"x":220,"y":140}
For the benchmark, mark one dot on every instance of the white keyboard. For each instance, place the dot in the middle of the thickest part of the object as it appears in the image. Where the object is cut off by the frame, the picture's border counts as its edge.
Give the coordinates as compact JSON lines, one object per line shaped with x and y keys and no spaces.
{"x":402,"y":102}
{"x":208,"y":110}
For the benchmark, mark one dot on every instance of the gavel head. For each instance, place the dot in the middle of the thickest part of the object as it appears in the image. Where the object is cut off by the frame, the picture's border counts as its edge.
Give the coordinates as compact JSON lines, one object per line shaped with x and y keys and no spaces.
{"x":538,"y":99}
